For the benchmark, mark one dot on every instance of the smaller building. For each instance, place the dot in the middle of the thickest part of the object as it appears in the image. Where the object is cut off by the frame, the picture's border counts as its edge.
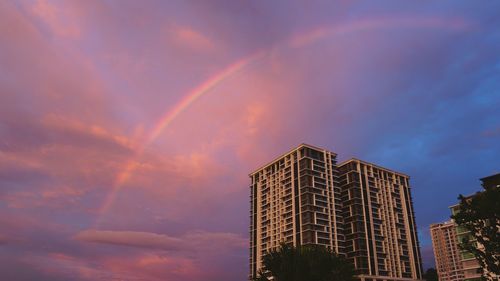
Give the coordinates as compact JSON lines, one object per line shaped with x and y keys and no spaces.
{"x":452,"y":263}
{"x":470,"y":266}
{"x":491,"y":181}
{"x":446,"y":251}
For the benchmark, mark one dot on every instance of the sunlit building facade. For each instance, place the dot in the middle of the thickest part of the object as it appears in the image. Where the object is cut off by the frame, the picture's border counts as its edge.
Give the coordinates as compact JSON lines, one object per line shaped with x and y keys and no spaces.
{"x":295,"y":199}
{"x":379,"y":222}
{"x":446,"y":252}
{"x":471,"y":270}
{"x":361,"y":211}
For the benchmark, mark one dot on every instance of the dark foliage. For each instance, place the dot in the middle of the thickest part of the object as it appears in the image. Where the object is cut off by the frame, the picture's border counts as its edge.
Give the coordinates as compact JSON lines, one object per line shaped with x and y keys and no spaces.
{"x":431,"y":274}
{"x":480,"y":215}
{"x":305,"y":263}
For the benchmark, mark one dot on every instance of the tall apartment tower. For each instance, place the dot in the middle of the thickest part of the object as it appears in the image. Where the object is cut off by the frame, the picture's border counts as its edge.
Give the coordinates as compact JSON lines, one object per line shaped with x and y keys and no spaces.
{"x":379,"y":222}
{"x":358,"y":209}
{"x":295,"y":199}
{"x":446,"y":251}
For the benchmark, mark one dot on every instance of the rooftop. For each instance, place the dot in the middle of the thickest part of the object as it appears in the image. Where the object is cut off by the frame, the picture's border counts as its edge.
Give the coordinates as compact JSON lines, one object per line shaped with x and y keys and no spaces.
{"x":287,"y":153}
{"x":371,"y":164}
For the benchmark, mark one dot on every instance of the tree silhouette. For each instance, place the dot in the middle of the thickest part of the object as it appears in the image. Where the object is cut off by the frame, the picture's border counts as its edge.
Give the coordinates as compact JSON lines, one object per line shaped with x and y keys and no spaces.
{"x":305,"y":263}
{"x":431,"y":274}
{"x":480,"y":216}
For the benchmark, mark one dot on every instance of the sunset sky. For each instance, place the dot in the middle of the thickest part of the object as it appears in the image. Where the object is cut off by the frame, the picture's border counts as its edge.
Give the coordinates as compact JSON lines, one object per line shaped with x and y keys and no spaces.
{"x":128,"y":128}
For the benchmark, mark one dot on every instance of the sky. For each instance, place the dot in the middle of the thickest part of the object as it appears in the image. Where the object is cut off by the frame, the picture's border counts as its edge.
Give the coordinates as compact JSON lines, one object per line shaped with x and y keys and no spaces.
{"x":128,"y":128}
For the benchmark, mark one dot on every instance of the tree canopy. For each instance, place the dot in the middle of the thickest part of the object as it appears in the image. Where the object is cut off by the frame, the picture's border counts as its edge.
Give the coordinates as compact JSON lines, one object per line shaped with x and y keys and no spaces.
{"x":431,"y":274}
{"x":311,"y":263}
{"x":480,"y":216}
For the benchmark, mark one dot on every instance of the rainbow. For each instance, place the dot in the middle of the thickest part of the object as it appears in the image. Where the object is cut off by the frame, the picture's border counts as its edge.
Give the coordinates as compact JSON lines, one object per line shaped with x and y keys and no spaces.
{"x":182,"y":105}
{"x":321,"y":32}
{"x":298,"y":41}
{"x":167,"y":118}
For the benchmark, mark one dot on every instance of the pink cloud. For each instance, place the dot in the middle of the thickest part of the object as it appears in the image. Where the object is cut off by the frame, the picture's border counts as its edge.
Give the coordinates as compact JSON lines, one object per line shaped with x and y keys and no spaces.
{"x":59,"y":18}
{"x":192,"y":256}
{"x":3,"y":239}
{"x":84,"y":82}
{"x":155,"y":267}
{"x":67,"y":126}
{"x":62,"y":192}
{"x":46,"y":197}
{"x":188,"y":37}
{"x":130,"y":238}
{"x":194,"y":241}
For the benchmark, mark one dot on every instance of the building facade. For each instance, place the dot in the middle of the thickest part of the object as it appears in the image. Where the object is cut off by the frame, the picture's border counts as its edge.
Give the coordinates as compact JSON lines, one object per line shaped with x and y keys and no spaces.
{"x":446,"y":252}
{"x":380,"y":230}
{"x":295,"y":199}
{"x":470,"y":267}
{"x":358,"y":209}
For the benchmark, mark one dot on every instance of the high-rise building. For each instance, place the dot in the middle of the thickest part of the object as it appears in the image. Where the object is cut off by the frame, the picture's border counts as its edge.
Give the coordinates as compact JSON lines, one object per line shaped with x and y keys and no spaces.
{"x":446,"y":252}
{"x":358,"y":209}
{"x":295,"y":199}
{"x":379,"y":222}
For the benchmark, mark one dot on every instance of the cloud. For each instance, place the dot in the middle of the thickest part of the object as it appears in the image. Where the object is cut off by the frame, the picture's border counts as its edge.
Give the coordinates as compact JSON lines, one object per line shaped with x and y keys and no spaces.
{"x":60,"y":19}
{"x":406,"y":87}
{"x":359,"y":25}
{"x":191,"y":241}
{"x":215,"y":240}
{"x":188,"y":37}
{"x":4,"y":239}
{"x":16,"y":270}
{"x":74,"y":132}
{"x":154,"y":267}
{"x":130,"y":238}
{"x":151,"y":256}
